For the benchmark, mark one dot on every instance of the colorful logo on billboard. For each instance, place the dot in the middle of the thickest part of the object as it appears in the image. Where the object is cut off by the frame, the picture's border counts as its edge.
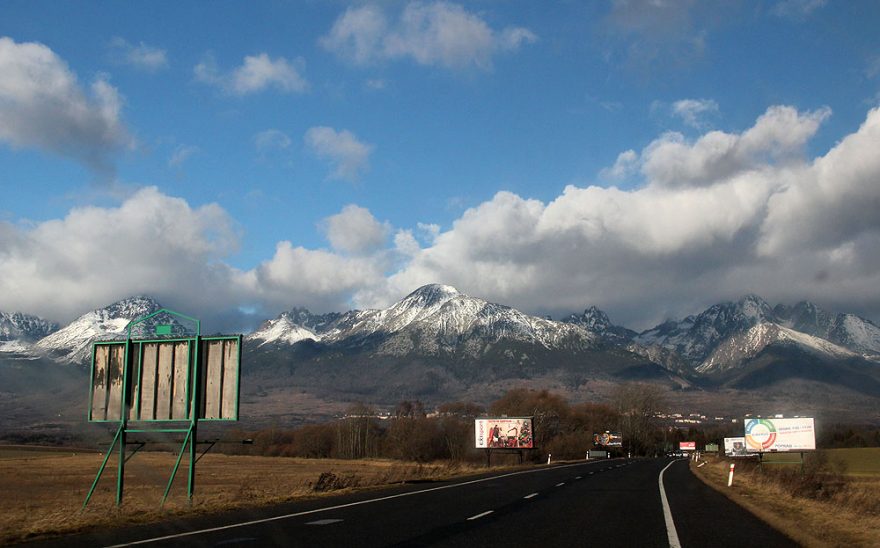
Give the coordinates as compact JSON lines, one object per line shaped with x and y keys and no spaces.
{"x":760,"y":434}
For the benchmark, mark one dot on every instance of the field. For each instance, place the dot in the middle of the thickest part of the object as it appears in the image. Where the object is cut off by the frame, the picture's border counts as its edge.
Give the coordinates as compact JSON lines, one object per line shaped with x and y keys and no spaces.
{"x":42,"y":491}
{"x":834,"y":502}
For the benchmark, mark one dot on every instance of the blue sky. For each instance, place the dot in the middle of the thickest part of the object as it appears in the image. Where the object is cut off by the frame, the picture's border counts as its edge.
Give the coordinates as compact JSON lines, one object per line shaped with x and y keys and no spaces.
{"x":649,"y":157}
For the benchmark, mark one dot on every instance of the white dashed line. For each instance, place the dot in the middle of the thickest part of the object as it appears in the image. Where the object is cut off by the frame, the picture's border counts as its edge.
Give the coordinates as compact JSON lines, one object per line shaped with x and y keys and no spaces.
{"x":560,"y":484}
{"x":323,"y":522}
{"x":530,"y":496}
{"x":478,"y":516}
{"x":577,"y":478}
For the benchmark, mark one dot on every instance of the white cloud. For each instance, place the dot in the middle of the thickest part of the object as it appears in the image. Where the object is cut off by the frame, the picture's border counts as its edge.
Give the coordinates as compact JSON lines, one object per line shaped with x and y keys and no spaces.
{"x":43,"y":106}
{"x":626,"y":164}
{"x":271,"y":139}
{"x":151,"y":243}
{"x":141,"y":56}
{"x":694,"y":111}
{"x":430,"y":33}
{"x":803,"y":228}
{"x":349,"y":156}
{"x":355,"y":230}
{"x":778,"y":136}
{"x":788,"y":230}
{"x":181,"y":154}
{"x":256,"y":74}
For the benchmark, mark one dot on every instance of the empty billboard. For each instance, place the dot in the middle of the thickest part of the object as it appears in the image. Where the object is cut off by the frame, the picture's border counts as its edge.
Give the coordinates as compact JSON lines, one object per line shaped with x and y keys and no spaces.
{"x":154,"y":380}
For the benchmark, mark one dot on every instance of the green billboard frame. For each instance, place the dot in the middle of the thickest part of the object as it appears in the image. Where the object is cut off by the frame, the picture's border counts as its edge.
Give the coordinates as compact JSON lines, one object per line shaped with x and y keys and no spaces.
{"x":128,"y":382}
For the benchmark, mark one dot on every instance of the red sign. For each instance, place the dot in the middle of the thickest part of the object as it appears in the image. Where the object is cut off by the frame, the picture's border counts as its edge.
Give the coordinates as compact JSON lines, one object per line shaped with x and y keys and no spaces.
{"x":687,"y":446}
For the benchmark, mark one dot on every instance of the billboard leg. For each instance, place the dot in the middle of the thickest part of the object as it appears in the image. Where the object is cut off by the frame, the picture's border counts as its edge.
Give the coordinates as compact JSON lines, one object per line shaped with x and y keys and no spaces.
{"x":191,"y":480}
{"x":176,"y":466}
{"x":120,"y":480}
{"x":103,"y":465}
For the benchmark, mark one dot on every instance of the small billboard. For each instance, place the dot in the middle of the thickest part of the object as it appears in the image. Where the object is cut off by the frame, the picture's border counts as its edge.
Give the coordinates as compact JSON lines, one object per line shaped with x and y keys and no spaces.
{"x":687,"y":446}
{"x":735,"y":447}
{"x":779,"y":435}
{"x":608,"y":439}
{"x":504,"y":432}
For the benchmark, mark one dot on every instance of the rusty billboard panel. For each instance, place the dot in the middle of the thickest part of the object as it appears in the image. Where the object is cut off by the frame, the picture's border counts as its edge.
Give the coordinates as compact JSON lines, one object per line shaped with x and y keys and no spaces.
{"x":160,"y":377}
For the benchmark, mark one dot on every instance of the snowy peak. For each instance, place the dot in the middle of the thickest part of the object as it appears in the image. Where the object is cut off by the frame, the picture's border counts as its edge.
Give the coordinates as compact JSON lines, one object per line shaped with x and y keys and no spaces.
{"x":739,"y":348}
{"x":696,"y":337}
{"x":596,"y":321}
{"x":73,"y":342}
{"x":282,"y":329}
{"x":18,"y":326}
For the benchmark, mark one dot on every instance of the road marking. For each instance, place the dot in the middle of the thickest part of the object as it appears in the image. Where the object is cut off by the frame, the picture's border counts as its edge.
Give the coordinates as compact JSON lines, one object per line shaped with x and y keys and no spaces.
{"x":478,"y":516}
{"x":337,"y":507}
{"x":577,"y":477}
{"x":671,"y":533}
{"x":530,"y":496}
{"x":324,"y":522}
{"x":560,"y":484}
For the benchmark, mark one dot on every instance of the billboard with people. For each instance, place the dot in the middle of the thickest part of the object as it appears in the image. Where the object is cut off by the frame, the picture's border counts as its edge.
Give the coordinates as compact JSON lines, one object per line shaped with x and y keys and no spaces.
{"x":504,"y":432}
{"x":735,"y":447}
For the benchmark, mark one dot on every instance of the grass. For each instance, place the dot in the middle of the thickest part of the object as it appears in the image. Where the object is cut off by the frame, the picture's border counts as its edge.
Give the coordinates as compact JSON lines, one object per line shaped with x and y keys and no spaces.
{"x":42,"y":492}
{"x":822,"y":507}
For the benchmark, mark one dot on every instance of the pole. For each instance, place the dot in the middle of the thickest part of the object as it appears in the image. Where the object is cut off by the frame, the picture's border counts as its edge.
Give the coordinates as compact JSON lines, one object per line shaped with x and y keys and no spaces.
{"x":730,"y":476}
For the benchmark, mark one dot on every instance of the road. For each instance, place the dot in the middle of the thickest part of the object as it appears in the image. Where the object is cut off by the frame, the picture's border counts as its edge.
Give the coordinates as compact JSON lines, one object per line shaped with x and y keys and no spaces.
{"x":602,"y":503}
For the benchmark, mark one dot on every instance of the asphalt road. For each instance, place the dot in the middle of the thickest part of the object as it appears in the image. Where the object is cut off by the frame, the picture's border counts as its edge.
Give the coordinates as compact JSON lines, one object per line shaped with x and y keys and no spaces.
{"x":601,"y":503}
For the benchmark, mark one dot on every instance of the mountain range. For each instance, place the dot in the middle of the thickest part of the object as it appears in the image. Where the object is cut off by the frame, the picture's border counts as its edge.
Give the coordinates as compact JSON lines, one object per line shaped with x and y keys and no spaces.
{"x":438,"y":344}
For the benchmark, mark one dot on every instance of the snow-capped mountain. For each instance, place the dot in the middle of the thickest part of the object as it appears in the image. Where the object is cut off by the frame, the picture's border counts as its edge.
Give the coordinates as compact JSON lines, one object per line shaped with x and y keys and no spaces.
{"x":19,"y":331}
{"x":431,"y":320}
{"x":695,"y":337}
{"x":73,"y":343}
{"x":283,"y":329}
{"x":727,"y":335}
{"x":739,"y":348}
{"x":596,"y":321}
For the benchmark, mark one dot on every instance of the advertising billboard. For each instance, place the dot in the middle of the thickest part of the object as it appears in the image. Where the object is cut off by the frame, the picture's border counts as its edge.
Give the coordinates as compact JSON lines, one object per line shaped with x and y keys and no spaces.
{"x":779,"y":435}
{"x":608,"y":439}
{"x":508,"y":433}
{"x":735,"y":447}
{"x":687,"y":446}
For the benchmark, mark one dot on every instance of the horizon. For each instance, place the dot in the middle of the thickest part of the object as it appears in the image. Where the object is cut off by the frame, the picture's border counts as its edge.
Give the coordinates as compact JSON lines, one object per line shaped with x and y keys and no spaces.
{"x":649,"y":159}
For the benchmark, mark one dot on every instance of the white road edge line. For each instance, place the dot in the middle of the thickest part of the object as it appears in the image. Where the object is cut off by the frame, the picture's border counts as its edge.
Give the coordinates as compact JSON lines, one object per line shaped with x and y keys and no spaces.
{"x":337,"y":507}
{"x":671,"y":533}
{"x":530,"y":496}
{"x":478,"y":516}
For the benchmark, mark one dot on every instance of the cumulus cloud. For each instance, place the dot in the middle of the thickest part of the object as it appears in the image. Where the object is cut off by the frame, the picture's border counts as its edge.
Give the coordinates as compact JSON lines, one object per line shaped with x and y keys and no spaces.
{"x":788,"y":230}
{"x":349,"y":156}
{"x":693,"y":112}
{"x":778,"y":136}
{"x":429,"y":33}
{"x":43,"y":106}
{"x":354,"y":230}
{"x":141,"y":56}
{"x":802,"y":228}
{"x":257,"y":73}
{"x":64,"y":267}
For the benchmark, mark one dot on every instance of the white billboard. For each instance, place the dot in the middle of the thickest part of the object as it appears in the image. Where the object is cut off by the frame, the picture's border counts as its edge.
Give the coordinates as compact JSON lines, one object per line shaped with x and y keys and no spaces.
{"x":779,"y":435}
{"x":735,"y":447}
{"x":510,"y":433}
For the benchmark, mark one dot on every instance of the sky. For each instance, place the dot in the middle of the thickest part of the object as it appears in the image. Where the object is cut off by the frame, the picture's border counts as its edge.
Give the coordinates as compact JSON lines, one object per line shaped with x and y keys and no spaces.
{"x":238,"y":159}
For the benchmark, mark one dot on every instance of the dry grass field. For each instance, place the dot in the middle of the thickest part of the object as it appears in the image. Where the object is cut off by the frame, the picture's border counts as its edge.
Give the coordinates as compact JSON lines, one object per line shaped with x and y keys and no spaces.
{"x":42,"y":491}
{"x":829,"y":505}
